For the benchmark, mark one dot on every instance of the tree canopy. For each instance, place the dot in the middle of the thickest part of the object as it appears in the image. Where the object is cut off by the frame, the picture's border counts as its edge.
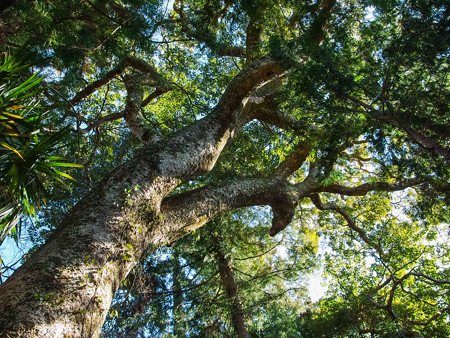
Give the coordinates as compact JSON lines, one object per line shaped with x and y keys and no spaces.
{"x":189,"y":117}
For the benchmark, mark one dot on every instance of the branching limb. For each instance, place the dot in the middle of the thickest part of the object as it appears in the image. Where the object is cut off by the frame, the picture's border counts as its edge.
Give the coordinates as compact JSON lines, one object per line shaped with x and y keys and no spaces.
{"x":198,"y":206}
{"x":201,"y":205}
{"x":254,"y":76}
{"x":143,"y":74}
{"x":135,"y":90}
{"x":417,"y":137}
{"x":429,"y":320}
{"x":152,"y":78}
{"x":262,"y":106}
{"x":420,"y":299}
{"x":350,"y":223}
{"x":206,"y":36}
{"x":101,"y":121}
{"x":388,"y":307}
{"x":365,"y":188}
{"x":97,"y":84}
{"x":399,"y":282}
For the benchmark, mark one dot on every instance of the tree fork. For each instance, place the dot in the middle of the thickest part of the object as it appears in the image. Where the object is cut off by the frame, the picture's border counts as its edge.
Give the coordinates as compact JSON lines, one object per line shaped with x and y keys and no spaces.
{"x":67,"y":286}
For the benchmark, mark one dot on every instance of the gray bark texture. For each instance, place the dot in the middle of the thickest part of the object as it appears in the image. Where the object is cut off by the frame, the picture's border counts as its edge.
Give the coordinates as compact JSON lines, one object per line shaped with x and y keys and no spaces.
{"x":66,"y":287}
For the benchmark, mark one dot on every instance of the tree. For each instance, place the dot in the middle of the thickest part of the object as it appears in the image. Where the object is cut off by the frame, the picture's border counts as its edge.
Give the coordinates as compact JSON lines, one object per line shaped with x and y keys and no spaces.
{"x":246,"y":283}
{"x":394,"y":288}
{"x":349,"y":105}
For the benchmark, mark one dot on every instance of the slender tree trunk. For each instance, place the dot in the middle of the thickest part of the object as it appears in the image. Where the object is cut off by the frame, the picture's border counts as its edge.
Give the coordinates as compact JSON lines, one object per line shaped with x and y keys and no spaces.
{"x":231,"y":288}
{"x":178,"y":314}
{"x":66,"y":287}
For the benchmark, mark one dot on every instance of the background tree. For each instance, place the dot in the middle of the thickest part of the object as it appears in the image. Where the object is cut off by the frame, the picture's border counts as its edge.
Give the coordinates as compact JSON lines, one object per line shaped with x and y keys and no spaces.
{"x":218,"y":106}
{"x":227,"y":280}
{"x":392,"y":287}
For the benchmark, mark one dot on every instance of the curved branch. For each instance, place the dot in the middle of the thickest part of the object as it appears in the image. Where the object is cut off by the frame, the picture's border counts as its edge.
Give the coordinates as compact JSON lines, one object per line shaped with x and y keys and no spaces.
{"x":135,"y":92}
{"x":434,"y":280}
{"x":350,"y":223}
{"x":365,"y":188}
{"x":435,"y":316}
{"x":254,"y":76}
{"x":153,"y":78}
{"x":198,"y":206}
{"x":144,"y":74}
{"x":280,"y":120}
{"x":417,"y":137}
{"x":97,"y":84}
{"x":102,"y":120}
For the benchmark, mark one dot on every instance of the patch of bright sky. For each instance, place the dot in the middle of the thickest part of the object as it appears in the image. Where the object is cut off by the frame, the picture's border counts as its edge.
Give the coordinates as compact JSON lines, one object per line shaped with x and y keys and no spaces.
{"x":315,"y":282}
{"x":11,"y":254}
{"x":370,"y":13}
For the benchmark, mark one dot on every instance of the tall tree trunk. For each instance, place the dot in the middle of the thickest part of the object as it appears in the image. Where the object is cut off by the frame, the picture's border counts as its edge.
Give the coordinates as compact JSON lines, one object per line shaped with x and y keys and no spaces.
{"x":66,"y":287}
{"x":231,"y":288}
{"x":178,"y":314}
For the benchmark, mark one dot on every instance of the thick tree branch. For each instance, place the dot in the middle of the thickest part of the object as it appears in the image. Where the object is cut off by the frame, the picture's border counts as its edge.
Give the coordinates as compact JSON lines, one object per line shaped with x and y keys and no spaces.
{"x":143,"y":74}
{"x":293,"y":161}
{"x":254,"y":76}
{"x":201,"y":205}
{"x":135,"y":92}
{"x":198,"y":206}
{"x":122,"y":220}
{"x":318,"y":28}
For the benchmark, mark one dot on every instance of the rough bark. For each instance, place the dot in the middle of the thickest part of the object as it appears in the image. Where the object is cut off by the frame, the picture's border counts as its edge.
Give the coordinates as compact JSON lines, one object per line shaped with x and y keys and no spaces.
{"x":66,"y":287}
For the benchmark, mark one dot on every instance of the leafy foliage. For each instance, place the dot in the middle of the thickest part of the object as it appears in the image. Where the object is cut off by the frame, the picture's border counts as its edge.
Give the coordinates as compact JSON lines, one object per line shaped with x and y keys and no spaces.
{"x":267,"y":275}
{"x":367,"y":92}
{"x":26,"y":153}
